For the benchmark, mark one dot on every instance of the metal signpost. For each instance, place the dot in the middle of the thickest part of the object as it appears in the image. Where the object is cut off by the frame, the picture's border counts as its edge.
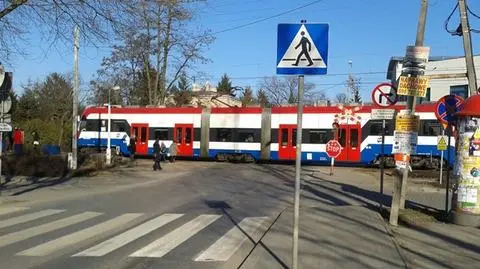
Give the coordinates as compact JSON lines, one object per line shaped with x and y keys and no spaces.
{"x":441,"y":146}
{"x":333,"y":149}
{"x":445,"y":111}
{"x":302,"y":49}
{"x":384,"y":96}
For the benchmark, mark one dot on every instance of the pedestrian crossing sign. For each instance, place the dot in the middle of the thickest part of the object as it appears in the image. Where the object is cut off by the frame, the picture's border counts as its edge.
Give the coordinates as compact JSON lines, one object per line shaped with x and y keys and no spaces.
{"x":302,"y":49}
{"x":441,"y":143}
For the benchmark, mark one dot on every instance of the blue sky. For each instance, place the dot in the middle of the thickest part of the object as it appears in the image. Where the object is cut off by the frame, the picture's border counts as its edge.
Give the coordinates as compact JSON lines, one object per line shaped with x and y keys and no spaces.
{"x":367,"y":32}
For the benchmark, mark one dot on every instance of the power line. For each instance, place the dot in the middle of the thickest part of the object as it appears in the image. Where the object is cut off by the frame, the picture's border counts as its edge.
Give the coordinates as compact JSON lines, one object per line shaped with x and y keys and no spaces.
{"x":452,"y":32}
{"x":268,"y":18}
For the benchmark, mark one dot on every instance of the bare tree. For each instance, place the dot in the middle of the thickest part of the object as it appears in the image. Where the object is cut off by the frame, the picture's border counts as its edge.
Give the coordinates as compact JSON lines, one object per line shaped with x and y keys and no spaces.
{"x":285,"y":90}
{"x":340,"y":98}
{"x":353,"y":85}
{"x":54,"y":20}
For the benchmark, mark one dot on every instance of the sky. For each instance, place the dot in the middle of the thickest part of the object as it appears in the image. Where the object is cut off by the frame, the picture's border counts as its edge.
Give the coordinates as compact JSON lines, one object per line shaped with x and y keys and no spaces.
{"x":366,"y":32}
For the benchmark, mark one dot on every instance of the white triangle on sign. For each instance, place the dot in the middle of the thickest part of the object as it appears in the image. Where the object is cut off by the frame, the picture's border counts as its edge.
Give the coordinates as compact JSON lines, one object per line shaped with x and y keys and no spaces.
{"x":296,"y":48}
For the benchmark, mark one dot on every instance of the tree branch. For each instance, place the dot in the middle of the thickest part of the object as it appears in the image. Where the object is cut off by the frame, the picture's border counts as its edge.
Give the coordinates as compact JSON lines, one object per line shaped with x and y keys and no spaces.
{"x":15,"y":4}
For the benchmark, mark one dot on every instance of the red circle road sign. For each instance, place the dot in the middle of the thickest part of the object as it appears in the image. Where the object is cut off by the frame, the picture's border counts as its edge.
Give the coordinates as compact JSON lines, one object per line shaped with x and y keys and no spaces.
{"x":384,"y":95}
{"x":447,"y":106}
{"x":333,"y":148}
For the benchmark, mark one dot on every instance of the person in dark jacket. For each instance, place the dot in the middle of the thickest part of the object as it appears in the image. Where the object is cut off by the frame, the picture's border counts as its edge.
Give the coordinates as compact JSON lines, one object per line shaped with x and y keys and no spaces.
{"x":132,"y":147}
{"x":156,"y":156}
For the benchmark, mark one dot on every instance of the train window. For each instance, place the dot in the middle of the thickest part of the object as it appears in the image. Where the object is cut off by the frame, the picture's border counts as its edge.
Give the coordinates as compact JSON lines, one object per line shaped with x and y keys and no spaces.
{"x":342,"y":136}
{"x":179,"y":135}
{"x":161,"y":134}
{"x":353,"y":138}
{"x":376,"y":127}
{"x":119,"y":126}
{"x":431,"y":128}
{"x":245,"y":136}
{"x":284,"y":137}
{"x":92,"y":125}
{"x":319,"y":136}
{"x":294,"y":137}
{"x":144,"y":134}
{"x":224,"y":135}
{"x":188,"y":135}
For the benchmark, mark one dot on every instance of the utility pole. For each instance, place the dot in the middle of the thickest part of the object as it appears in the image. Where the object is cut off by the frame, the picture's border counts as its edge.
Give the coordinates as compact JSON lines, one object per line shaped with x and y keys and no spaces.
{"x":76,"y":46}
{"x":467,"y":46}
{"x":400,"y":187}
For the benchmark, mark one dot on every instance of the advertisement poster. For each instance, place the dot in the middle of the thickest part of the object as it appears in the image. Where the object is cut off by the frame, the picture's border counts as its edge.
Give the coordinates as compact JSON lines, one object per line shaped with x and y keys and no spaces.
{"x":468,"y":199}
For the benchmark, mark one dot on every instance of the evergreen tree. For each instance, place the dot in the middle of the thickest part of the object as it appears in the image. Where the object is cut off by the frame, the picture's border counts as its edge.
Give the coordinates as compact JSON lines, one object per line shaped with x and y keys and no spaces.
{"x":225,"y":85}
{"x":262,"y":98}
{"x":247,"y":97}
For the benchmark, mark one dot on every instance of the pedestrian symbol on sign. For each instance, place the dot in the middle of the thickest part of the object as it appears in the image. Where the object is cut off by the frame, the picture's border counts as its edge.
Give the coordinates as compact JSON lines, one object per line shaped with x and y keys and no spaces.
{"x":304,"y":42}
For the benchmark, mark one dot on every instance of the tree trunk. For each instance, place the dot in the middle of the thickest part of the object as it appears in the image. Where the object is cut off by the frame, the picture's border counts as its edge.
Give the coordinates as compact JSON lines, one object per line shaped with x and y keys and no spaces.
{"x":159,"y":44}
{"x":166,"y":48}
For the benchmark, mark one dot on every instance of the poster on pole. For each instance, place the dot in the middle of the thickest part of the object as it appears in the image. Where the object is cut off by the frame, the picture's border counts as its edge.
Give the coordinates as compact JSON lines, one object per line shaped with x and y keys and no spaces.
{"x":404,"y":142}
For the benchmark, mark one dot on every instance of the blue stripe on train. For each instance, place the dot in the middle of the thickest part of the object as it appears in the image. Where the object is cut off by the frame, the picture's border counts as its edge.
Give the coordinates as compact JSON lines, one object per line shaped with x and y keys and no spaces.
{"x":373,"y":150}
{"x":368,"y":155}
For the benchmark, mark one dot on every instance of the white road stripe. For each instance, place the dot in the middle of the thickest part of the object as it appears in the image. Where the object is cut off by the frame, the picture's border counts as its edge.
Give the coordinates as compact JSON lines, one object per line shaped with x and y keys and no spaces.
{"x":45,"y":228}
{"x":8,"y":210}
{"x":71,"y":239}
{"x":129,"y":236}
{"x":165,"y":244}
{"x":224,"y":247}
{"x":29,"y":217}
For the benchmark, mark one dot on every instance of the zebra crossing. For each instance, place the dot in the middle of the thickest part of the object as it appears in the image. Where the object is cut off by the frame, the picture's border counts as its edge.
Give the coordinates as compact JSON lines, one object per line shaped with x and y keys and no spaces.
{"x":128,"y":227}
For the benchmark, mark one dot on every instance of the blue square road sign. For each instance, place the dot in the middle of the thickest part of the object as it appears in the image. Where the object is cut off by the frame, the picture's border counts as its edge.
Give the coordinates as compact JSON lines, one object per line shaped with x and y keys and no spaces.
{"x":302,"y":49}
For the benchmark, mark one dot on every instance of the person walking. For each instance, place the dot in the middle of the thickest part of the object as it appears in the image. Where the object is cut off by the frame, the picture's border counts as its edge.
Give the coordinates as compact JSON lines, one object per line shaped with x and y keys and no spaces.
{"x":156,"y":155}
{"x":173,"y":151}
{"x":132,"y":147}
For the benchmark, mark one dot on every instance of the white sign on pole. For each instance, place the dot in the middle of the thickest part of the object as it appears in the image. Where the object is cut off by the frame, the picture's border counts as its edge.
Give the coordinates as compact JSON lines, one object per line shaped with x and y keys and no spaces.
{"x":405,"y":142}
{"x":383,"y":114}
{"x":5,"y":127}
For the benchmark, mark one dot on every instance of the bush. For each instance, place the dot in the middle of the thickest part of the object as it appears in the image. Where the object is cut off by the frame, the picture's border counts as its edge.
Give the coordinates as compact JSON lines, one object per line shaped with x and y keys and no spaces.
{"x":34,"y":165}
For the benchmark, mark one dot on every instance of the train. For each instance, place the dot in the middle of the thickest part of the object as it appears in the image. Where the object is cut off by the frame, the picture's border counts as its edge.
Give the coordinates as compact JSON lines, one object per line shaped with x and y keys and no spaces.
{"x":259,"y":134}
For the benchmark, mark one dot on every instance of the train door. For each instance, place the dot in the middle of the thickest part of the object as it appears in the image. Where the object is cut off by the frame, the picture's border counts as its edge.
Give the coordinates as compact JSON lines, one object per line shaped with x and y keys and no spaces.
{"x":287,"y":141}
{"x":140,"y":130}
{"x":183,"y":136}
{"x":349,"y":137}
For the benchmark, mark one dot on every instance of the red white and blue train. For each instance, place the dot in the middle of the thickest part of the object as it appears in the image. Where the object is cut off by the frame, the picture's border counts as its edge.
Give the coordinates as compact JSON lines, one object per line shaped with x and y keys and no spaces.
{"x":255,"y":133}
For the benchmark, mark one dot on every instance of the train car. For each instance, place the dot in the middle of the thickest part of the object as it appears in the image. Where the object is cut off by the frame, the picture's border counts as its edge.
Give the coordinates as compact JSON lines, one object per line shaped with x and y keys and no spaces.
{"x":254,"y":133}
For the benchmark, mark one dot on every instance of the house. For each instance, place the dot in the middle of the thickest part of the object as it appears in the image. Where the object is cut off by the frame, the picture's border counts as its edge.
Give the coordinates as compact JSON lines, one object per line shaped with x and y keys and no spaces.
{"x":447,"y":76}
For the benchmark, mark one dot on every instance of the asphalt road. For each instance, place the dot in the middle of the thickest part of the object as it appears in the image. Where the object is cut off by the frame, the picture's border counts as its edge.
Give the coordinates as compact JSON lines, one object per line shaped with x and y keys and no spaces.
{"x":210,"y":217}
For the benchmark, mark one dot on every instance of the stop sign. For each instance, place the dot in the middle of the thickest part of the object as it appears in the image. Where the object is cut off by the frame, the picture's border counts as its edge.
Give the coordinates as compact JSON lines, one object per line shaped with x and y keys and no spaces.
{"x":333,"y":148}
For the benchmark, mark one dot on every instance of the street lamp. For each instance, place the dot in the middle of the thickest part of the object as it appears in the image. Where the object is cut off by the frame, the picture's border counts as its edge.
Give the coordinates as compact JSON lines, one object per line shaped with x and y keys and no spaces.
{"x":109,"y":150}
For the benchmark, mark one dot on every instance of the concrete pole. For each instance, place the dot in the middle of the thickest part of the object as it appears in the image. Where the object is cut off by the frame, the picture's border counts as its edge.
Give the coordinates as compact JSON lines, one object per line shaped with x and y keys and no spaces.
{"x":76,"y":47}
{"x":298,"y":163}
{"x":108,"y":152}
{"x":467,"y":46}
{"x":400,"y":189}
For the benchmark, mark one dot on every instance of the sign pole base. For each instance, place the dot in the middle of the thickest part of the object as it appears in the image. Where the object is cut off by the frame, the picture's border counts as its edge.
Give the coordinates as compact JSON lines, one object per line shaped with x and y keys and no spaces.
{"x":332,"y":161}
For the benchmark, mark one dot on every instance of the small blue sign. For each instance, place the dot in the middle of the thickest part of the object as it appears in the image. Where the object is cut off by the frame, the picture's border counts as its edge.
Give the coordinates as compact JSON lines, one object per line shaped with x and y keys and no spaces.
{"x":302,"y":49}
